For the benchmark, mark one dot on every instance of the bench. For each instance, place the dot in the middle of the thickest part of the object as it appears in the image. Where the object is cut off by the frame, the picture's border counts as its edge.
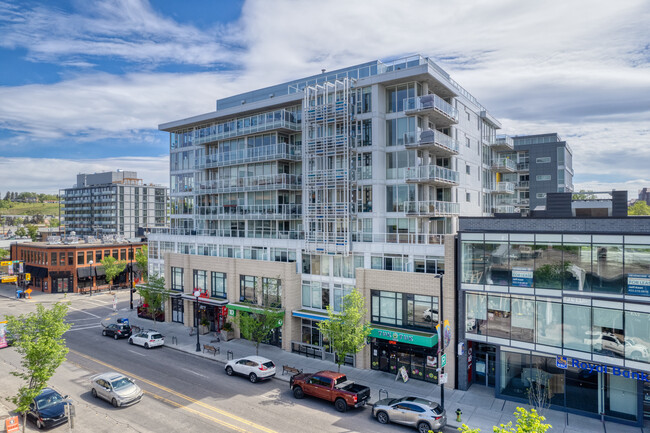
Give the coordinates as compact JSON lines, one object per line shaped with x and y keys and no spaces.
{"x":292,"y":370}
{"x":212,"y":349}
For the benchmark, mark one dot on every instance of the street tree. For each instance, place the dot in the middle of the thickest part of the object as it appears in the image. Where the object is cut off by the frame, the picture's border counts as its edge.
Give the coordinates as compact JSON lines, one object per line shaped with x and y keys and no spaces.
{"x":53,"y":222}
{"x":348,"y":329}
{"x":112,"y":267}
{"x":142,"y":259}
{"x":39,"y":339}
{"x":4,"y":253}
{"x":32,"y":232}
{"x":20,"y":231}
{"x":640,"y":207}
{"x":583,"y":195}
{"x":154,"y":295}
{"x":527,"y":422}
{"x":258,"y":324}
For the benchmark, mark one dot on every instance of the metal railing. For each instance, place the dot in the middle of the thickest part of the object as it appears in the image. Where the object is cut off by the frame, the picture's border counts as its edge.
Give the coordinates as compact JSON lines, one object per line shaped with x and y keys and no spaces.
{"x":523,"y":184}
{"x":503,"y":209}
{"x":400,"y":238}
{"x":253,"y":183}
{"x":431,"y":102}
{"x":430,"y":137}
{"x":523,"y":166}
{"x":251,"y":154}
{"x":262,"y":211}
{"x":504,"y":163}
{"x":432,"y":173}
{"x":505,"y":187}
{"x":432,"y":208}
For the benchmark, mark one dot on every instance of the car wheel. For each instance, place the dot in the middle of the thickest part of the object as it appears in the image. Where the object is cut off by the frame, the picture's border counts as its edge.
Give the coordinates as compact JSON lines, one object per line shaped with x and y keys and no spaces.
{"x":146,"y":345}
{"x":229,"y":371}
{"x":340,"y":405}
{"x":114,"y":403}
{"x":252,"y":377}
{"x":298,"y":392}
{"x":39,"y":424}
{"x":104,"y":333}
{"x":382,"y":417}
{"x":115,"y":336}
{"x":94,"y":392}
{"x":130,"y":340}
{"x":423,"y":427}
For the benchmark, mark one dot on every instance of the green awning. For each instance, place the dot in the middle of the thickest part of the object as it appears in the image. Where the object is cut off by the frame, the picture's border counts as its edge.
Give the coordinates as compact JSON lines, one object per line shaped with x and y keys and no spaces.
{"x":411,"y":337}
{"x":244,"y":307}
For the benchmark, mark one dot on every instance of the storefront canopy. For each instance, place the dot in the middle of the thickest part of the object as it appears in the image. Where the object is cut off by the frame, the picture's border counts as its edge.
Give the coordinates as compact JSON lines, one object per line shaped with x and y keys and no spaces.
{"x":36,"y":271}
{"x":86,"y":272}
{"x":208,"y":301}
{"x":99,"y":271}
{"x":403,"y":336}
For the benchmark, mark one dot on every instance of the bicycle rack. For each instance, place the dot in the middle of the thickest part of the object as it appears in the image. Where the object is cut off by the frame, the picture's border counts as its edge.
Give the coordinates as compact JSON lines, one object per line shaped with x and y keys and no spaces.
{"x":229,"y":355}
{"x":382,"y":391}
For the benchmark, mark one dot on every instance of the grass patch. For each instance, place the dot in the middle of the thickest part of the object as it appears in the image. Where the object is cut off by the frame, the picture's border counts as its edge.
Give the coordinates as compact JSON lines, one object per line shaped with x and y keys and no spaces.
{"x":31,"y":209}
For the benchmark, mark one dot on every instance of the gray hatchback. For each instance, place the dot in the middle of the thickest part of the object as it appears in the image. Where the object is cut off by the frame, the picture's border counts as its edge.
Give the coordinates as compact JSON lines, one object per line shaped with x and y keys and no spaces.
{"x":416,"y":412}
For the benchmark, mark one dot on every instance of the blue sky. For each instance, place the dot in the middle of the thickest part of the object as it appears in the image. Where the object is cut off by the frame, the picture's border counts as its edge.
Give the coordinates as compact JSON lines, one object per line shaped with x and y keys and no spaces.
{"x":84,"y":85}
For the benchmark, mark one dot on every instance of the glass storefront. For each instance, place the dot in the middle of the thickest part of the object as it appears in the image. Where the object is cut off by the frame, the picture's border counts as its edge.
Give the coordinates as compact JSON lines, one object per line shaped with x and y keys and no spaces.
{"x":420,"y":362}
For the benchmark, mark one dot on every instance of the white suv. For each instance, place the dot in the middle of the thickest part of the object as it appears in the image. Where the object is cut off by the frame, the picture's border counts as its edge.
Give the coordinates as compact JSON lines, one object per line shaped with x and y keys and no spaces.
{"x":254,"y":367}
{"x":148,"y":339}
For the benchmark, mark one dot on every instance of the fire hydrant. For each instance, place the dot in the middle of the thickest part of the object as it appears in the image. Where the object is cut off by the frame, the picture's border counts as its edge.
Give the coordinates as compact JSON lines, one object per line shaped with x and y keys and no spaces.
{"x":458,"y":414}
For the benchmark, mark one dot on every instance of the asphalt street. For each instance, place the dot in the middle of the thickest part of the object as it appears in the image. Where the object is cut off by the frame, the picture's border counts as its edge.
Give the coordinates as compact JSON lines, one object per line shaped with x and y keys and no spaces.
{"x":182,"y":392}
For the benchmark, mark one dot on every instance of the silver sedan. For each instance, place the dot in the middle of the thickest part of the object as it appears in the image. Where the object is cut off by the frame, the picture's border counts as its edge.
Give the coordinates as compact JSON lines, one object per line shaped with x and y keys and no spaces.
{"x":416,"y":412}
{"x":115,"y":388}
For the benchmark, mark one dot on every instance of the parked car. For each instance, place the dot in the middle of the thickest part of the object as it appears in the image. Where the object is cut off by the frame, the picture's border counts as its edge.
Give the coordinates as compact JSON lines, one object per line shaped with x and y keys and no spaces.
{"x":148,"y":338}
{"x":331,"y":386}
{"x":48,"y":409}
{"x":430,"y":315}
{"x":416,"y":412}
{"x":254,"y":367}
{"x":115,"y":388}
{"x":117,"y":330}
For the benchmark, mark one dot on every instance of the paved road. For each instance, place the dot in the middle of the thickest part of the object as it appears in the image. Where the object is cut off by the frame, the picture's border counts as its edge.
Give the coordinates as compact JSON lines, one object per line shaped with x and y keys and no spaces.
{"x":183,"y":392}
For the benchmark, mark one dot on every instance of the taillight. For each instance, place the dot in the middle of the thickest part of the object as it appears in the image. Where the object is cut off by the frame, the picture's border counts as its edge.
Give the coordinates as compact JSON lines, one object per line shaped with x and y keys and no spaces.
{"x":151,"y":341}
{"x":263,"y":368}
{"x":355,"y":398}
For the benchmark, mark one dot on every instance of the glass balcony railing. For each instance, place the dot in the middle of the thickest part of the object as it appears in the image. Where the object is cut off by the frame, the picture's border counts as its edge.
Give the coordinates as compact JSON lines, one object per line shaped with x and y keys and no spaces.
{"x":504,"y":164}
{"x":431,"y":103}
{"x":431,"y":138}
{"x":431,"y":173}
{"x":431,"y":208}
{"x":505,"y":187}
{"x":253,"y":183}
{"x":400,"y":238}
{"x":252,"y":154}
{"x":523,"y":166}
{"x":503,"y":208}
{"x":524,"y":184}
{"x":261,"y":212}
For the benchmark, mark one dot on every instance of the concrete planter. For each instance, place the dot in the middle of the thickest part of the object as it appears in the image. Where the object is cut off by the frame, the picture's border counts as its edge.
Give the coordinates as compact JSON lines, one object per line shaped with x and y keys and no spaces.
{"x":227,"y":335}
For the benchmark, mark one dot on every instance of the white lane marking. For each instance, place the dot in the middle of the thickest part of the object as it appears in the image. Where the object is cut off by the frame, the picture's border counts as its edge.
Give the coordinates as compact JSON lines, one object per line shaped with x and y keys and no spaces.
{"x":81,"y":320}
{"x":85,"y":312}
{"x":193,"y":372}
{"x":133,"y":351}
{"x":81,"y":328}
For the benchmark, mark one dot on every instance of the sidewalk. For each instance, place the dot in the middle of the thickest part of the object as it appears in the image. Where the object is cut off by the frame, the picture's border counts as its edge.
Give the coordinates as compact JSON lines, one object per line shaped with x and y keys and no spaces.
{"x":479,"y":406}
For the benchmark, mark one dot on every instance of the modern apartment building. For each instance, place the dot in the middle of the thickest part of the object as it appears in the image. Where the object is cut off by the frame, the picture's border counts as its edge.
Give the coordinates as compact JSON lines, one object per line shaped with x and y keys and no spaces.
{"x":540,"y":164}
{"x":295,"y":194}
{"x":112,"y":203}
{"x":559,"y":304}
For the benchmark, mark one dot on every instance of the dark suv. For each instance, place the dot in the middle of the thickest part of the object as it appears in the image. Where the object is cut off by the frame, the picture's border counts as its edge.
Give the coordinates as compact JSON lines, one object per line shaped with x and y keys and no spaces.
{"x":117,"y":330}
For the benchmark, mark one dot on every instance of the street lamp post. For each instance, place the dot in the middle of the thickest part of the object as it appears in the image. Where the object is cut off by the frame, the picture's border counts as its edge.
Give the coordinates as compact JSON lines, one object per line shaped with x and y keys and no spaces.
{"x":90,"y":262}
{"x":196,"y":317}
{"x":441,"y":344}
{"x":131,"y":278}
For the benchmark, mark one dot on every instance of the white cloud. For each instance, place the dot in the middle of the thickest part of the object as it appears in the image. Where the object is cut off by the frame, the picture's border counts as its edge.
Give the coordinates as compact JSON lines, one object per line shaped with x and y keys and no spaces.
{"x":47,"y":175}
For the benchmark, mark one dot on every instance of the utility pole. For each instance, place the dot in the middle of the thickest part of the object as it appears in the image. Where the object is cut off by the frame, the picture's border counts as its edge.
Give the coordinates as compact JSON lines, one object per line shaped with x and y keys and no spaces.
{"x":441,"y":341}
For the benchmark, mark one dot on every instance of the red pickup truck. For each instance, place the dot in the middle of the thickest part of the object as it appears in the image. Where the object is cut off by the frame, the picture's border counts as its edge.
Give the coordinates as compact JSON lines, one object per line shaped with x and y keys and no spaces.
{"x":330,"y":386}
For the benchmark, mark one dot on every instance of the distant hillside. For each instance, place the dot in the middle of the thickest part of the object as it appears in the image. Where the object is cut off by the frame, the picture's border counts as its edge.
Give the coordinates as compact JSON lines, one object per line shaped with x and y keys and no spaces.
{"x":11,"y":208}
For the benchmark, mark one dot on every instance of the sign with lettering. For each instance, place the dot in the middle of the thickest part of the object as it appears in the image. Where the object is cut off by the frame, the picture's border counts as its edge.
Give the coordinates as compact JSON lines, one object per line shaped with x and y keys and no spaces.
{"x":429,"y":340}
{"x":564,"y":362}
{"x":522,"y":277}
{"x":638,"y":284}
{"x":443,"y":360}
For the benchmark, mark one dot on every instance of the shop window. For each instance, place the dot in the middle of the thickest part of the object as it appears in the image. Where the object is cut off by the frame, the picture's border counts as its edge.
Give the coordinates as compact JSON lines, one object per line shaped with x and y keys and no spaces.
{"x":577,"y":327}
{"x":549,"y":272}
{"x":607,"y":268}
{"x":607,"y":336}
{"x":386,"y":308}
{"x":637,"y":330}
{"x":200,"y":280}
{"x":218,"y":286}
{"x":498,"y":313}
{"x":247,"y":289}
{"x":272,"y":292}
{"x":549,"y":323}
{"x":80,"y":258}
{"x":476,"y":314}
{"x":473,"y":261}
{"x":522,"y":319}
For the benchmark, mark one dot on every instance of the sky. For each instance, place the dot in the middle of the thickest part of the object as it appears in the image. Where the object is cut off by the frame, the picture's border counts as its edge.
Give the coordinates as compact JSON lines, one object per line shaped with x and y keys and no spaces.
{"x":84,"y":85}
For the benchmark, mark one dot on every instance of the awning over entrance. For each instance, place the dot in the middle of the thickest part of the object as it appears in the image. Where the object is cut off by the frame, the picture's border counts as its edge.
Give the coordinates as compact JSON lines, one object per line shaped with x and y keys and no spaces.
{"x":208,"y":301}
{"x":400,"y":335}
{"x":99,"y":271}
{"x":86,"y":272}
{"x":308,"y":314}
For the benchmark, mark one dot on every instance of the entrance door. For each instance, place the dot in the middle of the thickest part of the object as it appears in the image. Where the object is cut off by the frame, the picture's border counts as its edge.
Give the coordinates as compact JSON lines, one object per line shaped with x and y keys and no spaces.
{"x":484,"y":364}
{"x":177,"y":310}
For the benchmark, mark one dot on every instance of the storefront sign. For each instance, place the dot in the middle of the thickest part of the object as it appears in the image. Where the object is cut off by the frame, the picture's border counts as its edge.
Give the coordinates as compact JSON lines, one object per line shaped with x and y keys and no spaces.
{"x":402,"y":337}
{"x":638,"y":284}
{"x":564,"y":362}
{"x":522,"y":277}
{"x":402,"y":372}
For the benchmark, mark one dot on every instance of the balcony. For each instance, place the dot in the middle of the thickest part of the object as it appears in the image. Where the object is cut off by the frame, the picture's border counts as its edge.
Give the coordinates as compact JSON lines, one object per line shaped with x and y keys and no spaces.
{"x":523,"y":166}
{"x":504,"y":165}
{"x":281,"y":120}
{"x":524,"y":202}
{"x":273,"y":152}
{"x":503,"y":208}
{"x":439,"y":111}
{"x":505,"y":188}
{"x":431,"y":175}
{"x":400,"y":238}
{"x":523,"y":184}
{"x":250,"y":212}
{"x":502,"y":143}
{"x":271,"y":182}
{"x":435,"y":142}
{"x":431,"y":208}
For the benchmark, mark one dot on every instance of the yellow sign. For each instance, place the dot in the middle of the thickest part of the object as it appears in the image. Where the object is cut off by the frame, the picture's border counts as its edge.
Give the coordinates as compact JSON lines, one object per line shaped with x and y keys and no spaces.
{"x":28,"y":277}
{"x":12,"y":279}
{"x":5,"y":263}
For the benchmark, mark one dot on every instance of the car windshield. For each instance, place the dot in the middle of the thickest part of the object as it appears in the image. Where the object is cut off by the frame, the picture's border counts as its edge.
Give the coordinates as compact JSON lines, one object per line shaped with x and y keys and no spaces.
{"x":48,"y":400}
{"x":121,"y":383}
{"x":156,"y":336}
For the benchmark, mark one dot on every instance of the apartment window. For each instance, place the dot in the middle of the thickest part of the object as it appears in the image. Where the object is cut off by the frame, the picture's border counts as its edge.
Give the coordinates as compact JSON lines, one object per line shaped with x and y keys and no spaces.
{"x":404,"y":310}
{"x":315,"y":294}
{"x":115,"y":255}
{"x":542,"y":177}
{"x":467,"y":142}
{"x":272,"y":292}
{"x":468,"y":197}
{"x":89,"y":256}
{"x":247,"y":285}
{"x":107,"y":253}
{"x":200,"y":280}
{"x":53,"y":259}
{"x":98,"y":256}
{"x":70,"y":259}
{"x":62,"y":259}
{"x":80,"y":258}
{"x":543,"y":160}
{"x":177,"y":279}
{"x":540,"y":195}
{"x":218,"y":287}
{"x":123,"y":254}
{"x":468,"y":170}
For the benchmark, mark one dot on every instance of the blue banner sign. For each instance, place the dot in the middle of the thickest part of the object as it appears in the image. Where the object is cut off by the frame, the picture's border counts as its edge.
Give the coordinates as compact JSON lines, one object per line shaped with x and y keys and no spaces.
{"x":563,"y":362}
{"x":638,"y":284}
{"x":522,"y":277}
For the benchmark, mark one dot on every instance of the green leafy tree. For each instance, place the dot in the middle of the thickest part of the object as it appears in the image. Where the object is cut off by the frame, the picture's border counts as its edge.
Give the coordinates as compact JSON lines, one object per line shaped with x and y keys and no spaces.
{"x":54,"y":222}
{"x":142,"y":259}
{"x":18,"y":221}
{"x":154,"y":295}
{"x":20,"y":231}
{"x":347,"y":330}
{"x":4,"y":253}
{"x":258,"y":324}
{"x":583,"y":195}
{"x":527,"y":422}
{"x":39,"y":339}
{"x":112,"y":267}
{"x":640,"y":207}
{"x":32,"y":232}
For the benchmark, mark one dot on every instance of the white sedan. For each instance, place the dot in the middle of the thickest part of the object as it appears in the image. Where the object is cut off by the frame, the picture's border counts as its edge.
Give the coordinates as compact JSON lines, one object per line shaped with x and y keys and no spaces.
{"x":254,"y":367}
{"x":116,"y":388}
{"x":148,"y":339}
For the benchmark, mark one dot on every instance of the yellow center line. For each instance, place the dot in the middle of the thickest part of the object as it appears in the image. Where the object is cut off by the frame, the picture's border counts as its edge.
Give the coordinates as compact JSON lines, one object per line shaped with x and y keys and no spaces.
{"x":178,"y":394}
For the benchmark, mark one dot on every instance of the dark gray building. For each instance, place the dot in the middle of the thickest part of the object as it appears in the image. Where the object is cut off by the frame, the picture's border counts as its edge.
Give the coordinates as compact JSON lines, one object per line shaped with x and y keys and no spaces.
{"x":112,"y":203}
